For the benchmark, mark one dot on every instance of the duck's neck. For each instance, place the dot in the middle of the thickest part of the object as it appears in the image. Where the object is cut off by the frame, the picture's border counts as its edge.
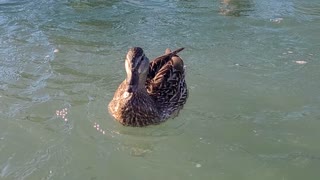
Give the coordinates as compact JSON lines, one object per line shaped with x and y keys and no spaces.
{"x":136,"y":83}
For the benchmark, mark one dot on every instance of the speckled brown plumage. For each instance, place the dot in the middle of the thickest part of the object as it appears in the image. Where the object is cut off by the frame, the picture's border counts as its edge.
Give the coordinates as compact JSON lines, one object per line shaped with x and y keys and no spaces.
{"x":151,"y":93}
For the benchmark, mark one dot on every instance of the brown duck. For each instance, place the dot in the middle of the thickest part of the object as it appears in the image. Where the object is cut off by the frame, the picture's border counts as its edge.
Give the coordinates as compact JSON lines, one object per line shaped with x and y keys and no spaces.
{"x":152,"y":92}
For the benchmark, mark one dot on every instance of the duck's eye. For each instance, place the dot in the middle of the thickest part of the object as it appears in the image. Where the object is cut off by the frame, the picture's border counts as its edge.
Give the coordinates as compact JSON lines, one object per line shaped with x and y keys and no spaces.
{"x":143,"y":66}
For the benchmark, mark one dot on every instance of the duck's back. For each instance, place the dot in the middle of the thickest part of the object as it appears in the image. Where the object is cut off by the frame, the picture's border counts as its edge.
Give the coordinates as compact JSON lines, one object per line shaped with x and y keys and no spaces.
{"x":166,"y":83}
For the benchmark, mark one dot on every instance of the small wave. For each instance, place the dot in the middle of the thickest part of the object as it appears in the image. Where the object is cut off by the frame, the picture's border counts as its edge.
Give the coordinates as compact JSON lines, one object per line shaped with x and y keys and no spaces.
{"x":152,"y":5}
{"x":8,"y":6}
{"x":307,"y":9}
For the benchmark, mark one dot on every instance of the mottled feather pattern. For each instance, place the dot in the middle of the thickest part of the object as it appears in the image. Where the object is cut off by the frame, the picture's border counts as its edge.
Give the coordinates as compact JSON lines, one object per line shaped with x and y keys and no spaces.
{"x":160,"y":61}
{"x":166,"y":93}
{"x":168,"y":89}
{"x":137,"y":110}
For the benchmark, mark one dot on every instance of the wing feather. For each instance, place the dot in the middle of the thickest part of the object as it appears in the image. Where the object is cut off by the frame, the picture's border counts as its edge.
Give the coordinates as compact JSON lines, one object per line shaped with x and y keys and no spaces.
{"x":160,"y":61}
{"x":166,"y":82}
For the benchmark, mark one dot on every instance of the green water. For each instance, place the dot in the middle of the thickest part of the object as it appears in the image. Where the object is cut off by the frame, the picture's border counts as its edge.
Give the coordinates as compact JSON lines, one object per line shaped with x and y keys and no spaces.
{"x":252,"y":72}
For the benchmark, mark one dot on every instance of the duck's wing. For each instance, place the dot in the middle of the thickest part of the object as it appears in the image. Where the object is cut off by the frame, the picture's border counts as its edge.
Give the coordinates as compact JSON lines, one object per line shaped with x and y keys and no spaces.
{"x":168,"y":86}
{"x":160,"y":61}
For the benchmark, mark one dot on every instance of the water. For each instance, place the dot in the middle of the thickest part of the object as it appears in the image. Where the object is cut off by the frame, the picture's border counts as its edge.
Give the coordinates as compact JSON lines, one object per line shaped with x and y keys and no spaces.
{"x":252,"y":71}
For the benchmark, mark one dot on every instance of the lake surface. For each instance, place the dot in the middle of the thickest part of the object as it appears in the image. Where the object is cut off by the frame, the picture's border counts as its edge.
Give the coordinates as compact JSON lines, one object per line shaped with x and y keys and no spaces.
{"x":252,"y":72}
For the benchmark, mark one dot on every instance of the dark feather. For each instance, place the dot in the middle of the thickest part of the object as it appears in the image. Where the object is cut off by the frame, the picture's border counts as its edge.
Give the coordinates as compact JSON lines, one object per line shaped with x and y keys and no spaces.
{"x":166,"y":94}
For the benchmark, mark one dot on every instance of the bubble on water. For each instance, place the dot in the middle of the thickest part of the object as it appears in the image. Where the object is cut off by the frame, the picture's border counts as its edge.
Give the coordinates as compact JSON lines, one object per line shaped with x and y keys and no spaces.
{"x":98,"y":128}
{"x":62,"y":114}
{"x":276,"y":20}
{"x":301,"y":62}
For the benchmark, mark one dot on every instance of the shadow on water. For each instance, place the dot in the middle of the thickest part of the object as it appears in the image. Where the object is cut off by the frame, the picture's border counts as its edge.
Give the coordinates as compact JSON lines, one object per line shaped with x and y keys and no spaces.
{"x":143,"y":141}
{"x":236,"y":8}
{"x":135,"y":141}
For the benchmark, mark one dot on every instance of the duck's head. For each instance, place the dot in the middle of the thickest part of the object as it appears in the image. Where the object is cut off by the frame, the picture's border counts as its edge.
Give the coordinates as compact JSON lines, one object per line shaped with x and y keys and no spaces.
{"x":137,"y":66}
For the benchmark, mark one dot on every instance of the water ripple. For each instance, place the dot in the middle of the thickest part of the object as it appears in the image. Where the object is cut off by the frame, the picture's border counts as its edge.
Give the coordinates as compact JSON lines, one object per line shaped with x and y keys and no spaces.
{"x":308,"y":10}
{"x":13,"y":6}
{"x":252,"y":70}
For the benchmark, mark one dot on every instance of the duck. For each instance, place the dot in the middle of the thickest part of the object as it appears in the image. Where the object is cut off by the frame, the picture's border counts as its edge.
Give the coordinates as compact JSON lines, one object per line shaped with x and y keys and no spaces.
{"x":152,"y":92}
